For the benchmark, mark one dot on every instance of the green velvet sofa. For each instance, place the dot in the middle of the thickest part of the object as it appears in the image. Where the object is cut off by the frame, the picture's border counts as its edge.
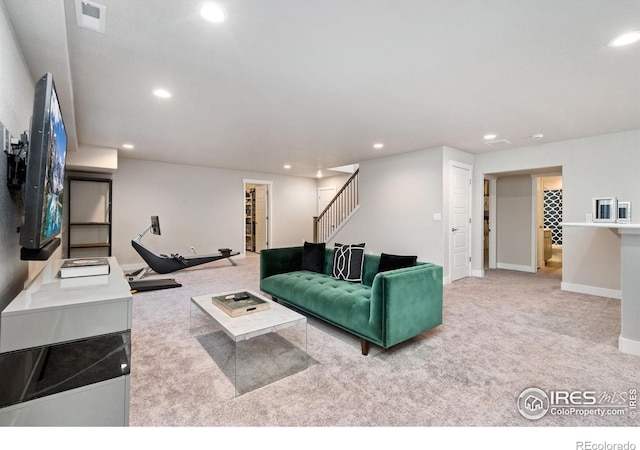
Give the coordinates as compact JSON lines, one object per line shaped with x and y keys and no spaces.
{"x":386,"y":309}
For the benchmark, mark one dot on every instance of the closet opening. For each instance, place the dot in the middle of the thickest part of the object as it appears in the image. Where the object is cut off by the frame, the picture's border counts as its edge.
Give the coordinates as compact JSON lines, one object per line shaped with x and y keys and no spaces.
{"x":257,"y":213}
{"x":489,"y":223}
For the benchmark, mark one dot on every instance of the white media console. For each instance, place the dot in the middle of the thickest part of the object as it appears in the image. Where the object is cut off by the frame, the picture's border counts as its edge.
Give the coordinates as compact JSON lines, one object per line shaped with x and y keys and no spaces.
{"x":65,"y":351}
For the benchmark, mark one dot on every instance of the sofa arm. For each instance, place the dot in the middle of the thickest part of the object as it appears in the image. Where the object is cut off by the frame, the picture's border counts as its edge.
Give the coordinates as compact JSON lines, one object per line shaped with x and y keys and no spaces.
{"x":407,"y":302}
{"x":279,"y":260}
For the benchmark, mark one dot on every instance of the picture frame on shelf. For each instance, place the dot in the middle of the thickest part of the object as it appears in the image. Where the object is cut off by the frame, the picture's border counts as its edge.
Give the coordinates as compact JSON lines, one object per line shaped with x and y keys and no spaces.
{"x":624,"y":212}
{"x":605,"y":209}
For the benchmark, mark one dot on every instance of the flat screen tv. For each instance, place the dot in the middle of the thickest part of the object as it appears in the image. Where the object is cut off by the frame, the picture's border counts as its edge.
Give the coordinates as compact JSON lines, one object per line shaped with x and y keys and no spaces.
{"x":44,"y":184}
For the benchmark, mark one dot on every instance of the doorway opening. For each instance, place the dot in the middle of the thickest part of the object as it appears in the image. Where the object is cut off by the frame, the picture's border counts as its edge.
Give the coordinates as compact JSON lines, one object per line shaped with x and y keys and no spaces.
{"x":489,"y":221}
{"x":518,"y":220}
{"x":257,"y":214}
{"x":548,"y":220}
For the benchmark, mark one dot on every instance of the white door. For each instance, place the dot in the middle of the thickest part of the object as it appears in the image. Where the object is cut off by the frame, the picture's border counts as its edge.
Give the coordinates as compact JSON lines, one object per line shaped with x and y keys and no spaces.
{"x":459,"y":221}
{"x":325,"y":195}
{"x":261,"y":217}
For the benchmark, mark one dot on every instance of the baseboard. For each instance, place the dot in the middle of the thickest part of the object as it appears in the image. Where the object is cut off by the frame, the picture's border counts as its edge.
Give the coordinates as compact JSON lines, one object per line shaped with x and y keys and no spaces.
{"x":629,"y":346}
{"x":591,"y":290}
{"x":517,"y":267}
{"x":474,"y":273}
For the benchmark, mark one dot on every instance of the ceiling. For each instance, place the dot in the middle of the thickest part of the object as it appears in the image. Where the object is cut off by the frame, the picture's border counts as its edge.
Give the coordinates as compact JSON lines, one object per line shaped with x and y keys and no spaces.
{"x":315,"y":84}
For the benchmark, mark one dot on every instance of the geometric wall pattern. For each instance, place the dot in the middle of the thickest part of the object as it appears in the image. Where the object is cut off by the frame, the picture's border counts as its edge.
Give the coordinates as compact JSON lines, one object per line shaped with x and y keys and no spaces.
{"x":553,"y":214}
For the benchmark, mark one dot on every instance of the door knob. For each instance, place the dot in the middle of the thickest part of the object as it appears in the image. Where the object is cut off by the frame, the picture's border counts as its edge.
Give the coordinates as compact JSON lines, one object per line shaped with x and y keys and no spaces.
{"x":454,"y":229}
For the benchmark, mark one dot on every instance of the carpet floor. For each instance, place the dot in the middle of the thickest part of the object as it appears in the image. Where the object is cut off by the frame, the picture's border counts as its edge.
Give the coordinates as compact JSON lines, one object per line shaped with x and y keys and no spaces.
{"x":500,"y":335}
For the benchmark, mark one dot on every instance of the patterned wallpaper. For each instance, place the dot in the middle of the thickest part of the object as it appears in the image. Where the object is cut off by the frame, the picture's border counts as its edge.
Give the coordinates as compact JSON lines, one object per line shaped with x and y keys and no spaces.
{"x":553,"y":214}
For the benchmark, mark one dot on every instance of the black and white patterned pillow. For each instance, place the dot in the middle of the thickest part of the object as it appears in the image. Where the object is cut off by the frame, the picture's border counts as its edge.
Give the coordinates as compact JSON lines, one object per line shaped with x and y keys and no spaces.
{"x":348,"y":261}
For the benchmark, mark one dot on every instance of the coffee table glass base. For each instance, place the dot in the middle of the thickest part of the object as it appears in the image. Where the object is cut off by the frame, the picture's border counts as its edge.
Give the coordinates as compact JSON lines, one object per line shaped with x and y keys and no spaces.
{"x":251,"y":352}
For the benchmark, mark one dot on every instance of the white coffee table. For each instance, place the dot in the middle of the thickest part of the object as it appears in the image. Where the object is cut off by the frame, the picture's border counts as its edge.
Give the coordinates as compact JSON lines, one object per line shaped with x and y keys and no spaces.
{"x":264,"y":346}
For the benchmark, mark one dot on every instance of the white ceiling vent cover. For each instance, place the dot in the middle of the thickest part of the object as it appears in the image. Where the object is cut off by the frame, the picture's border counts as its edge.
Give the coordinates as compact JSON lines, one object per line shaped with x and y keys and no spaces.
{"x":497,"y":143}
{"x":91,"y":15}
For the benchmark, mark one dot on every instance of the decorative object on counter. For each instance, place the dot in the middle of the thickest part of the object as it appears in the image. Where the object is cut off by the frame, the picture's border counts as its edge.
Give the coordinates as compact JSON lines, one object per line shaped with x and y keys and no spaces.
{"x":605,"y":209}
{"x":624,"y":212}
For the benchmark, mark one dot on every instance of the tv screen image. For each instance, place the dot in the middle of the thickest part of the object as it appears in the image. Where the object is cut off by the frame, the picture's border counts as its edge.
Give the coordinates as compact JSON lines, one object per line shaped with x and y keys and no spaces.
{"x":54,"y":178}
{"x":44,"y":187}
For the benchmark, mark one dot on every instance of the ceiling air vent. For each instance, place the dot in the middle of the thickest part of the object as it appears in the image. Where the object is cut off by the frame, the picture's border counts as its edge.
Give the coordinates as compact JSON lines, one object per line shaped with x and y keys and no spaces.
{"x":497,"y":143}
{"x":91,"y":15}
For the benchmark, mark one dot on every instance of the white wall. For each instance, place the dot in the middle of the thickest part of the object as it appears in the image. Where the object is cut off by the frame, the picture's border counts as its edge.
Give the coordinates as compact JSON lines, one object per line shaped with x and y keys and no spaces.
{"x":93,"y":159}
{"x":201,"y":207}
{"x":16,"y":84}
{"x":398,"y":197}
{"x":16,"y":107}
{"x":514,"y":198}
{"x":591,"y":167}
{"x":336,"y":181}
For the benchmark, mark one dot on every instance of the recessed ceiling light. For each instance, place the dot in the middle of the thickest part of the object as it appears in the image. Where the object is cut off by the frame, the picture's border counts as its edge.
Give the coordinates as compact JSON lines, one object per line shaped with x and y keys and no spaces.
{"x":128,"y":146}
{"x":212,"y":13}
{"x":537,"y":137}
{"x":162,"y":93}
{"x":319,"y":174}
{"x":378,"y":145}
{"x":488,"y":137}
{"x":287,"y":166}
{"x":625,"y":39}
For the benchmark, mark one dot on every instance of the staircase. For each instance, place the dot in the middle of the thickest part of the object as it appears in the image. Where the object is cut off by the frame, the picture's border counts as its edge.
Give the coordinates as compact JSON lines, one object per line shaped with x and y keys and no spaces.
{"x":338,"y":211}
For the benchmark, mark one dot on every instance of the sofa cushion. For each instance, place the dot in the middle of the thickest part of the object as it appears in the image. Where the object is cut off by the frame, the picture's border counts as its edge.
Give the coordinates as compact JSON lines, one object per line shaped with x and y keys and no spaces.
{"x":336,"y":301}
{"x":392,"y":262}
{"x":313,"y":257}
{"x":347,"y":262}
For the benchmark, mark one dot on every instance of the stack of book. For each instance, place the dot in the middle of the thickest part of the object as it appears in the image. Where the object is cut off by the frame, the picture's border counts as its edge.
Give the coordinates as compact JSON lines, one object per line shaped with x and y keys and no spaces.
{"x":84,"y":267}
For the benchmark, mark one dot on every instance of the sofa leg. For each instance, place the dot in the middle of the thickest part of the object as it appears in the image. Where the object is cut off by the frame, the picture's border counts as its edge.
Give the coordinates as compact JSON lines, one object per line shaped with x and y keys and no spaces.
{"x":364,"y":345}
